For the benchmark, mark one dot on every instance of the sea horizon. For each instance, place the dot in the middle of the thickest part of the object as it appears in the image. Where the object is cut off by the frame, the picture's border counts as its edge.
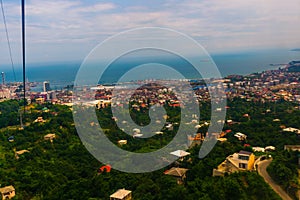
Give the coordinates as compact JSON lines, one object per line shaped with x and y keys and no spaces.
{"x":61,"y":74}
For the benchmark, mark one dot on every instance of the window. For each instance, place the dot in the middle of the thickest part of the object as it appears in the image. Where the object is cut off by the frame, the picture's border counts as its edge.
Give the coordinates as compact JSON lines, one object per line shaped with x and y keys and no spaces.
{"x":241,"y":157}
{"x":242,"y":165}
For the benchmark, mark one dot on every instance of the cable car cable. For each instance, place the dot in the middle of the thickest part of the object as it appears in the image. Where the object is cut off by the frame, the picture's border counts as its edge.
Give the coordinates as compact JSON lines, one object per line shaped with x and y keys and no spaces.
{"x":8,"y":41}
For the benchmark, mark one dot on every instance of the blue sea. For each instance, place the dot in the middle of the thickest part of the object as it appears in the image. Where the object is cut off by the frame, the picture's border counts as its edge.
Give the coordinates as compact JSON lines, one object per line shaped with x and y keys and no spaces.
{"x":61,"y":74}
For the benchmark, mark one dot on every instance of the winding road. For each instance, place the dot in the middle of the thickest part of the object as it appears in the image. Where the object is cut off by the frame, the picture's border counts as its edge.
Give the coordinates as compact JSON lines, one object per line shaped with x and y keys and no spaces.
{"x":262,"y":171}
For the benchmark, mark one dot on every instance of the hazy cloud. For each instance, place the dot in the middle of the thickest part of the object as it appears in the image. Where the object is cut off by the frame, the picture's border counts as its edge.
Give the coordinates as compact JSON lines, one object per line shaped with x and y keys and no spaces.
{"x":67,"y":29}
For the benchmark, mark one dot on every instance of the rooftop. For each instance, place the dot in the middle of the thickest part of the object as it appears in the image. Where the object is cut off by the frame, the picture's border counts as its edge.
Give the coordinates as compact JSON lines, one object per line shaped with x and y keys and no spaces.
{"x":292,"y":147}
{"x":180,"y":153}
{"x":245,"y":152}
{"x":49,"y":135}
{"x":120,"y":194}
{"x":7,"y":189}
{"x":22,"y":152}
{"x":176,"y":171}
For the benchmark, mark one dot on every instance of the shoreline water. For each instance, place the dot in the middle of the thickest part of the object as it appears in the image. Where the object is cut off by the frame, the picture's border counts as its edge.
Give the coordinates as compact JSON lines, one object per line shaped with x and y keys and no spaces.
{"x":62,"y":74}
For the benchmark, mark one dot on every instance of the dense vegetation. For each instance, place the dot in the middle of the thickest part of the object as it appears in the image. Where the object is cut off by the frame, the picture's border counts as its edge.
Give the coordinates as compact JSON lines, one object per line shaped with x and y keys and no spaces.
{"x":65,"y":170}
{"x":260,"y":126}
{"x":9,"y":113}
{"x":283,"y":169}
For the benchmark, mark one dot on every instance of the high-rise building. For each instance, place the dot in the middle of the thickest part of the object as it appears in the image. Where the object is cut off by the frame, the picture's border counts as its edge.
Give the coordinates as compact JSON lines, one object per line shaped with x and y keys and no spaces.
{"x":46,"y":86}
{"x":3,"y":78}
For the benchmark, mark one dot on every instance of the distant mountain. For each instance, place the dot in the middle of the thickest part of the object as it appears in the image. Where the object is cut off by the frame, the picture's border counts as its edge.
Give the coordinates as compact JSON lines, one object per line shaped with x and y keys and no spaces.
{"x":297,"y":49}
{"x":297,"y":62}
{"x":294,"y":66}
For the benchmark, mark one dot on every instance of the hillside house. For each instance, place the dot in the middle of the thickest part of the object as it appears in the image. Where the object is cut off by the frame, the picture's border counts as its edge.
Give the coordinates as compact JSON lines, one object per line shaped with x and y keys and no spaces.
{"x":292,"y":147}
{"x":39,"y":120}
{"x":121,"y":194}
{"x":50,"y":137}
{"x":20,"y":152}
{"x":291,"y":129}
{"x":122,"y":142}
{"x":241,"y":161}
{"x":240,"y":136}
{"x":178,"y":173}
{"x":180,"y":154}
{"x":7,"y":192}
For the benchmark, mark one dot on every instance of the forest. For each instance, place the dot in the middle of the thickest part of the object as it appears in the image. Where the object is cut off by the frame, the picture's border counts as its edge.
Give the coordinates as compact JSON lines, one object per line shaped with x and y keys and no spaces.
{"x":64,"y":169}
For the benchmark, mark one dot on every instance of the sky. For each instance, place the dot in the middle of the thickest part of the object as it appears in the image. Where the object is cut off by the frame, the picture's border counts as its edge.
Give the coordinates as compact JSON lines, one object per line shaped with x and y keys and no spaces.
{"x":67,"y":30}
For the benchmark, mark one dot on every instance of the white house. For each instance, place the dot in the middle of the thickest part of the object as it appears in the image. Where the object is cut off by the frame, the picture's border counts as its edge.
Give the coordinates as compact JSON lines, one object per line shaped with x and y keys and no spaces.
{"x":258,"y":149}
{"x":240,"y":136}
{"x":290,"y":129}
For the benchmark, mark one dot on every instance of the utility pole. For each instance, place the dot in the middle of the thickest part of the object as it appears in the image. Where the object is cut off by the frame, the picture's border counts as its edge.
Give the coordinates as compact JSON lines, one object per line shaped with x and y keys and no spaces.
{"x":23,"y":53}
{"x":21,"y":119}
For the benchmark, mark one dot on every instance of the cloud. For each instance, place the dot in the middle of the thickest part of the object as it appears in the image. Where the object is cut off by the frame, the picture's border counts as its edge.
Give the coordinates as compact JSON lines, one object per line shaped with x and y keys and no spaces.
{"x":72,"y":28}
{"x":99,"y":7}
{"x":50,"y":8}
